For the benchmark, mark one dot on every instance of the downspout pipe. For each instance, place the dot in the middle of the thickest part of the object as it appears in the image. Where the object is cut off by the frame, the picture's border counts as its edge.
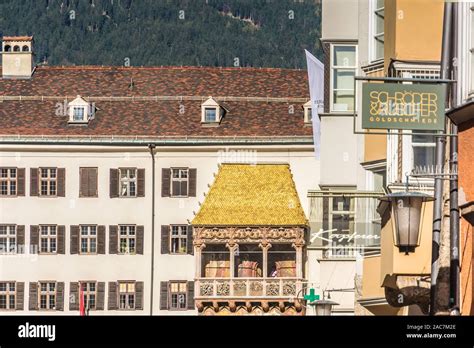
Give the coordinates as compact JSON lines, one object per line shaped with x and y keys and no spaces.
{"x":453,"y":183}
{"x":440,"y":153}
{"x":152,"y":147}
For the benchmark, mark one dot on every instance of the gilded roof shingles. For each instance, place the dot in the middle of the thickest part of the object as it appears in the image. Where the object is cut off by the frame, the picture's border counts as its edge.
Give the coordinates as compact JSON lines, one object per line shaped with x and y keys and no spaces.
{"x":162,"y":117}
{"x":252,"y":195}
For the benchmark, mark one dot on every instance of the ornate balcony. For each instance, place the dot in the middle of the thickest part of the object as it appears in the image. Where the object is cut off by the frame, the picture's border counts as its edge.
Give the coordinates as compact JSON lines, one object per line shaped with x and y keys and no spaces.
{"x":247,"y":288}
{"x":248,"y":295}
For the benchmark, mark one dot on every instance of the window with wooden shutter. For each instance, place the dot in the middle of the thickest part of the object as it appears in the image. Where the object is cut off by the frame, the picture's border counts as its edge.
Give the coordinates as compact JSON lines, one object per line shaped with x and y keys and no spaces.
{"x":112,"y":303}
{"x":101,"y":240}
{"x":114,"y":183}
{"x":34,"y":182}
{"x":9,"y":181}
{"x":141,"y":183}
{"x":88,"y":239}
{"x":61,"y":182}
{"x":8,"y":295}
{"x":140,"y":239}
{"x":113,"y":239}
{"x":20,"y":239}
{"x":165,"y":239}
{"x":178,"y":295}
{"x":33,"y":296}
{"x":8,"y":239}
{"x":20,"y":295}
{"x":89,"y":294}
{"x":34,"y":239}
{"x":190,"y":240}
{"x":192,"y":182}
{"x":191,"y":304}
{"x":165,"y":182}
{"x":139,"y":295}
{"x":74,"y":296}
{"x":100,"y":296}
{"x":74,"y":240}
{"x":88,"y":182}
{"x":21,"y":181}
{"x":179,"y":182}
{"x":61,"y":239}
{"x":60,"y":296}
{"x":164,"y":295}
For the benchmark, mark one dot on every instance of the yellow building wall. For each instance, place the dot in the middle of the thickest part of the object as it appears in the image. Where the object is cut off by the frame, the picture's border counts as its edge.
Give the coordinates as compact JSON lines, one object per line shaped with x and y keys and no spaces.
{"x":375,"y":146}
{"x":413,"y":30}
{"x":417,"y":263}
{"x":371,"y":284}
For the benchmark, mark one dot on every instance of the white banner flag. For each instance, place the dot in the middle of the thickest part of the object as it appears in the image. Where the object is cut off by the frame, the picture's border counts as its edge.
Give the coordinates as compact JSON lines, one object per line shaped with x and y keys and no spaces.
{"x":316,"y":92}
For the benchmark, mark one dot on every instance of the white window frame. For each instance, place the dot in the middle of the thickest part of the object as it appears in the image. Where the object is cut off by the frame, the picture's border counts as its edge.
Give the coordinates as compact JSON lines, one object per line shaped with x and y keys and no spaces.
{"x":372,"y":31}
{"x":48,"y":293}
{"x":179,"y":179}
{"x":210,"y":103}
{"x":8,"y":293}
{"x":10,"y":180}
{"x":181,"y":236}
{"x":11,"y":238}
{"x":128,"y":181}
{"x":126,"y":238}
{"x":407,"y":141}
{"x":331,"y":76}
{"x":49,"y":236}
{"x":180,"y":306}
{"x":48,"y":179}
{"x":80,"y":104}
{"x":87,"y":293}
{"x":79,"y":111}
{"x":308,"y":119}
{"x":88,"y":238}
{"x":216,"y":114}
{"x":127,"y":295}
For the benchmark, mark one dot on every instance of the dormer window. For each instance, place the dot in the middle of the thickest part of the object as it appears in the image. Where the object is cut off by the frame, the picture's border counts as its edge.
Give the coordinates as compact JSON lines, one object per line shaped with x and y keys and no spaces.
{"x":78,"y":114}
{"x":210,"y":115}
{"x":80,"y":111}
{"x":308,"y":118}
{"x":211,"y":112}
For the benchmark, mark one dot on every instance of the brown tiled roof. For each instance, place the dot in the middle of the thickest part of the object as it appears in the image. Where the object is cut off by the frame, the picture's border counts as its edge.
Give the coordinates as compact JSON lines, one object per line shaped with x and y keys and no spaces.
{"x":245,"y":117}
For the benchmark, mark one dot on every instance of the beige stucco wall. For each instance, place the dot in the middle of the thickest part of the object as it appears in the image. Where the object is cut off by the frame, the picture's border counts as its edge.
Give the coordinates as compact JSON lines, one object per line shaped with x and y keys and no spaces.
{"x":330,"y":274}
{"x":338,"y":151}
{"x":413,"y":30}
{"x":336,"y":12}
{"x":419,"y":262}
{"x":72,"y":210}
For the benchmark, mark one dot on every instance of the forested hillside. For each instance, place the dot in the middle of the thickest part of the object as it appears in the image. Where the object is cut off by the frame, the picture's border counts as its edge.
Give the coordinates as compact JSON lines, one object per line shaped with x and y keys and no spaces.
{"x":258,"y":33}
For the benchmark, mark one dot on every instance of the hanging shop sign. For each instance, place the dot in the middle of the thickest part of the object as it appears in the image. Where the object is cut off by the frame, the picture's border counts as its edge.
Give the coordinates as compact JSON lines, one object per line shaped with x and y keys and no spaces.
{"x":403,"y":106}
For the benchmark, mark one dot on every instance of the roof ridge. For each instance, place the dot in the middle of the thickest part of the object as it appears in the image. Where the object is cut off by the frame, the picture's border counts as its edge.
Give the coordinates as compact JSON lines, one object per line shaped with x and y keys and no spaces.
{"x":167,"y":67}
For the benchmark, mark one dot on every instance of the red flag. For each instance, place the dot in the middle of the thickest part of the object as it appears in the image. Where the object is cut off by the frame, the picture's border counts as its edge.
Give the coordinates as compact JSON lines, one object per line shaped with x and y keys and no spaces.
{"x":82,"y":310}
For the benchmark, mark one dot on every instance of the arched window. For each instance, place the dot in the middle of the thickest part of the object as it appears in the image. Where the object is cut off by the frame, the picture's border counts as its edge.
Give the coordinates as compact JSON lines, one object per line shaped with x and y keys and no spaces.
{"x":8,"y":48}
{"x":16,"y":48}
{"x":25,"y":48}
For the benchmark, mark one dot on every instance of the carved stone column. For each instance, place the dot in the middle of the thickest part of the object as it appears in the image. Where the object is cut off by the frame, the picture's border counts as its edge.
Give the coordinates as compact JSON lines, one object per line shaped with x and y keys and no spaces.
{"x":265,"y":246}
{"x":298,"y":245}
{"x":232,"y":248}
{"x":198,"y":246}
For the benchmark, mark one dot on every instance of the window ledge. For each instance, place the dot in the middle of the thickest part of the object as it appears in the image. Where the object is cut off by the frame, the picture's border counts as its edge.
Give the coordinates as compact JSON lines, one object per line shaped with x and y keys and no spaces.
{"x":70,"y":122}
{"x":210,"y":124}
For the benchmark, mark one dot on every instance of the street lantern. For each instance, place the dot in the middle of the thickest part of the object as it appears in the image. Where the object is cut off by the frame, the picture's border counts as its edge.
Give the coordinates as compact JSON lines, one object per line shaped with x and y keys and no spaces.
{"x":323,"y":307}
{"x":407,"y":211}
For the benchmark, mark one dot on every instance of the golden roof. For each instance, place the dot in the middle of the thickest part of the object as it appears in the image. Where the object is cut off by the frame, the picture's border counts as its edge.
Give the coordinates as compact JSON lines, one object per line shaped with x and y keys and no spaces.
{"x":252,"y":195}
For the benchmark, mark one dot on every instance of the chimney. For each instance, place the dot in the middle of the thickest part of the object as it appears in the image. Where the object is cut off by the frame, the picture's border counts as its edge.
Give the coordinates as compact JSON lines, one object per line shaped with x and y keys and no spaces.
{"x":17,"y":57}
